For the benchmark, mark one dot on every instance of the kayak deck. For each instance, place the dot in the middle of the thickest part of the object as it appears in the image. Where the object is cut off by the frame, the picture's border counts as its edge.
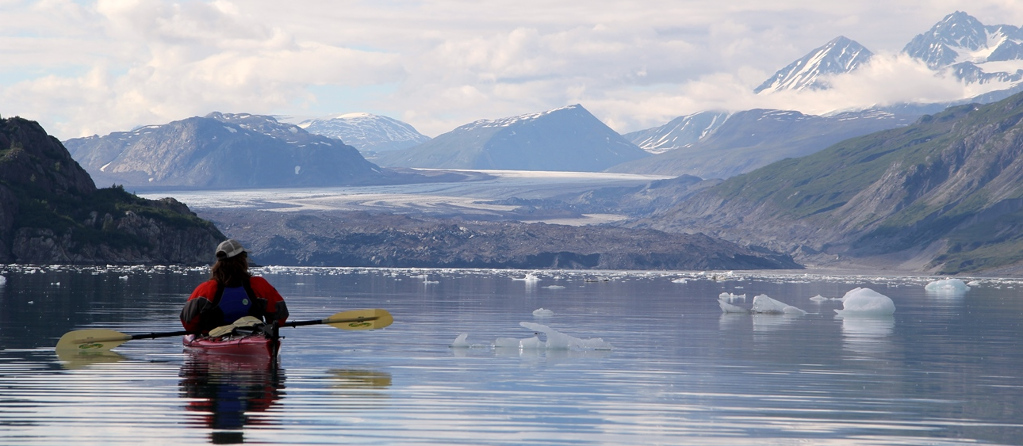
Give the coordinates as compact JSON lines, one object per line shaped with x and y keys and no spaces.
{"x":254,"y":345}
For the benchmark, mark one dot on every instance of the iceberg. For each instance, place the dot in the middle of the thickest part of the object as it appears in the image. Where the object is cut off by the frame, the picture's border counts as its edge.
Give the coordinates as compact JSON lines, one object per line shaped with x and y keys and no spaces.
{"x":763,"y":304}
{"x":947,"y":286}
{"x":542,"y":312}
{"x":557,"y":340}
{"x":461,"y":342}
{"x":730,"y":308}
{"x":866,"y":302}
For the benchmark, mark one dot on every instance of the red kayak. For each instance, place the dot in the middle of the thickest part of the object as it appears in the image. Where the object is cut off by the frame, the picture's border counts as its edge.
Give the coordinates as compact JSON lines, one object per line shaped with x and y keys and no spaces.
{"x":255,"y":345}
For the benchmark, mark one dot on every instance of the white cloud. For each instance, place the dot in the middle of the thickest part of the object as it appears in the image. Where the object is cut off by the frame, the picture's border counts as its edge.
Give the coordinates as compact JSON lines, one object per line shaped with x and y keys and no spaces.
{"x":95,"y":67}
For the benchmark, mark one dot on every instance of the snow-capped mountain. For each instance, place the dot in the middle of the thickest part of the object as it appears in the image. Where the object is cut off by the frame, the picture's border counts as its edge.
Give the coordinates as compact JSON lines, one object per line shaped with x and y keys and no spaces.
{"x":367,"y":132}
{"x":683,"y":131}
{"x":971,"y":50}
{"x":841,"y":55}
{"x":221,"y":150}
{"x":563,"y":139}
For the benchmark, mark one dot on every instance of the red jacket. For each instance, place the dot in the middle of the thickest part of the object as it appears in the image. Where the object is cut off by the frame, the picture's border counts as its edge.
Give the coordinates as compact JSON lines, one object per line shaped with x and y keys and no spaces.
{"x":201,"y":315}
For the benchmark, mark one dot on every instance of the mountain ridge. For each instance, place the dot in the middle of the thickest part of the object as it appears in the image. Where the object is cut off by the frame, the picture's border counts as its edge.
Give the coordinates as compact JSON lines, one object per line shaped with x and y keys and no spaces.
{"x":367,"y":132}
{"x":222,"y":150}
{"x":947,"y":187}
{"x":840,"y":55}
{"x":566,"y":139}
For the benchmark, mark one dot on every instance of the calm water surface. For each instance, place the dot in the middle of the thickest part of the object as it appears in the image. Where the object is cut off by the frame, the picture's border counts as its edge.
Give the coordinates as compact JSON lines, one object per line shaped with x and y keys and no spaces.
{"x":945,"y":369}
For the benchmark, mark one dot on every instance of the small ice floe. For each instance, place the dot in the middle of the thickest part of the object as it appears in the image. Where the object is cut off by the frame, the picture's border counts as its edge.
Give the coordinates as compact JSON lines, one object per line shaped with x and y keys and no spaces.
{"x":123,"y":277}
{"x":557,"y":340}
{"x":3,"y":281}
{"x":730,"y":308}
{"x":530,"y":343}
{"x":462,"y":341}
{"x":865,"y":302}
{"x":819,"y":298}
{"x":555,"y":287}
{"x":731,"y":297}
{"x":762,"y":304}
{"x":529,"y":278}
{"x":680,"y":280}
{"x":947,"y":286}
{"x":725,"y":302}
{"x":542,"y":312}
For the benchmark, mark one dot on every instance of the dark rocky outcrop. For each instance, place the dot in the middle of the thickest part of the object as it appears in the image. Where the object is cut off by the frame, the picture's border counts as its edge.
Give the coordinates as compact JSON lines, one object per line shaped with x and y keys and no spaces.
{"x":52,"y":213}
{"x":386,"y":240}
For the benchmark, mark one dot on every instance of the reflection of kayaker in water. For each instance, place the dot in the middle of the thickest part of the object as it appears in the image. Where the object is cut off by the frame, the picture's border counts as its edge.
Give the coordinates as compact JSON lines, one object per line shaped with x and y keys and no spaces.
{"x":229,"y":393}
{"x":231,"y":293}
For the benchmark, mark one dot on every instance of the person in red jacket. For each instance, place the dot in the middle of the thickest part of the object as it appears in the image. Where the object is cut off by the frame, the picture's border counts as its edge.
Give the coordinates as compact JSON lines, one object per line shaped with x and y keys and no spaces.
{"x":231,"y":293}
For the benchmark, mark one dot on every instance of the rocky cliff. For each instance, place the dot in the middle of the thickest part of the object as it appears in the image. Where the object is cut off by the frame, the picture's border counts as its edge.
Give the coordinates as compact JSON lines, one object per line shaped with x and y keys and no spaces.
{"x":385,"y":240}
{"x":52,"y":213}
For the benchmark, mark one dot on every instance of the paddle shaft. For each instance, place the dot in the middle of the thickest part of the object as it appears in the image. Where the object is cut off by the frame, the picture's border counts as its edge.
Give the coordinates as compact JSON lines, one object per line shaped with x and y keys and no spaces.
{"x":168,"y":334}
{"x":328,"y":321}
{"x":160,"y":335}
{"x":104,"y":339}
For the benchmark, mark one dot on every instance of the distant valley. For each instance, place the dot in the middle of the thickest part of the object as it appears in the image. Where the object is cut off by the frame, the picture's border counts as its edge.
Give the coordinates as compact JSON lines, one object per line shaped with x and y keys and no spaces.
{"x":909,"y":186}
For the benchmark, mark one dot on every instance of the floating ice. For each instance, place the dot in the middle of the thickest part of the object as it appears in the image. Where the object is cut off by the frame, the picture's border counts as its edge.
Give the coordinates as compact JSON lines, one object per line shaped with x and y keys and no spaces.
{"x":557,"y":340}
{"x":3,"y":281}
{"x":680,"y":280}
{"x":765,"y":305}
{"x":818,"y":298}
{"x":729,"y":308}
{"x":949,"y":286}
{"x":731,"y":297}
{"x":530,"y":277}
{"x":462,"y":341}
{"x":866,"y":302}
{"x":541,"y":312}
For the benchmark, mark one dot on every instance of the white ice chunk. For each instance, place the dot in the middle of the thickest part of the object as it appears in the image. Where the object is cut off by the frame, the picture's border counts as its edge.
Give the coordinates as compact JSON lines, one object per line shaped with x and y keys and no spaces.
{"x":506,"y":343}
{"x":460,"y":341}
{"x":557,"y":340}
{"x":866,"y":302}
{"x":949,"y":286}
{"x":729,"y":308}
{"x":731,"y":297}
{"x":532,"y":343}
{"x":541,"y":312}
{"x":3,"y":281}
{"x":765,"y":305}
{"x":818,"y":298}
{"x":529,"y":277}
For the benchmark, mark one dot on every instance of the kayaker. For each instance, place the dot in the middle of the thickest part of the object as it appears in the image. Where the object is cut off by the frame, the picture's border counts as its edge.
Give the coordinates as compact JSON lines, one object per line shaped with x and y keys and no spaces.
{"x":231,"y":293}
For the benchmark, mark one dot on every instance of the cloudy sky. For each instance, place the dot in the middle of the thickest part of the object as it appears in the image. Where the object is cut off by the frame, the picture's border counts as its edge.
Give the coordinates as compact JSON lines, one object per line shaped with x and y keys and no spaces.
{"x":94,"y":67}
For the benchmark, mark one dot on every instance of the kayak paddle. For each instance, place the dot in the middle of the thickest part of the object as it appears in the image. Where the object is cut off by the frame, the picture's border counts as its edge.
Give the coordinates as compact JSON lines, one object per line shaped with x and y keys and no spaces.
{"x":102,"y":339}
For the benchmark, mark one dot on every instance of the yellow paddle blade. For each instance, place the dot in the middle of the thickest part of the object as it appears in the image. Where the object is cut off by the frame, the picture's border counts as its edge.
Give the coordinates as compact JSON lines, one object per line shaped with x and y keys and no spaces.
{"x":97,"y":339}
{"x":360,"y":319}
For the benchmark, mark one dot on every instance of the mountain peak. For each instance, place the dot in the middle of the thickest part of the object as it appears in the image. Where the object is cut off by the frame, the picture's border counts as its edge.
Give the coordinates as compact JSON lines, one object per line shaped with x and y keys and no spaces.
{"x":962,"y":44}
{"x":366,"y":131}
{"x":563,"y":139}
{"x":840,"y":55}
